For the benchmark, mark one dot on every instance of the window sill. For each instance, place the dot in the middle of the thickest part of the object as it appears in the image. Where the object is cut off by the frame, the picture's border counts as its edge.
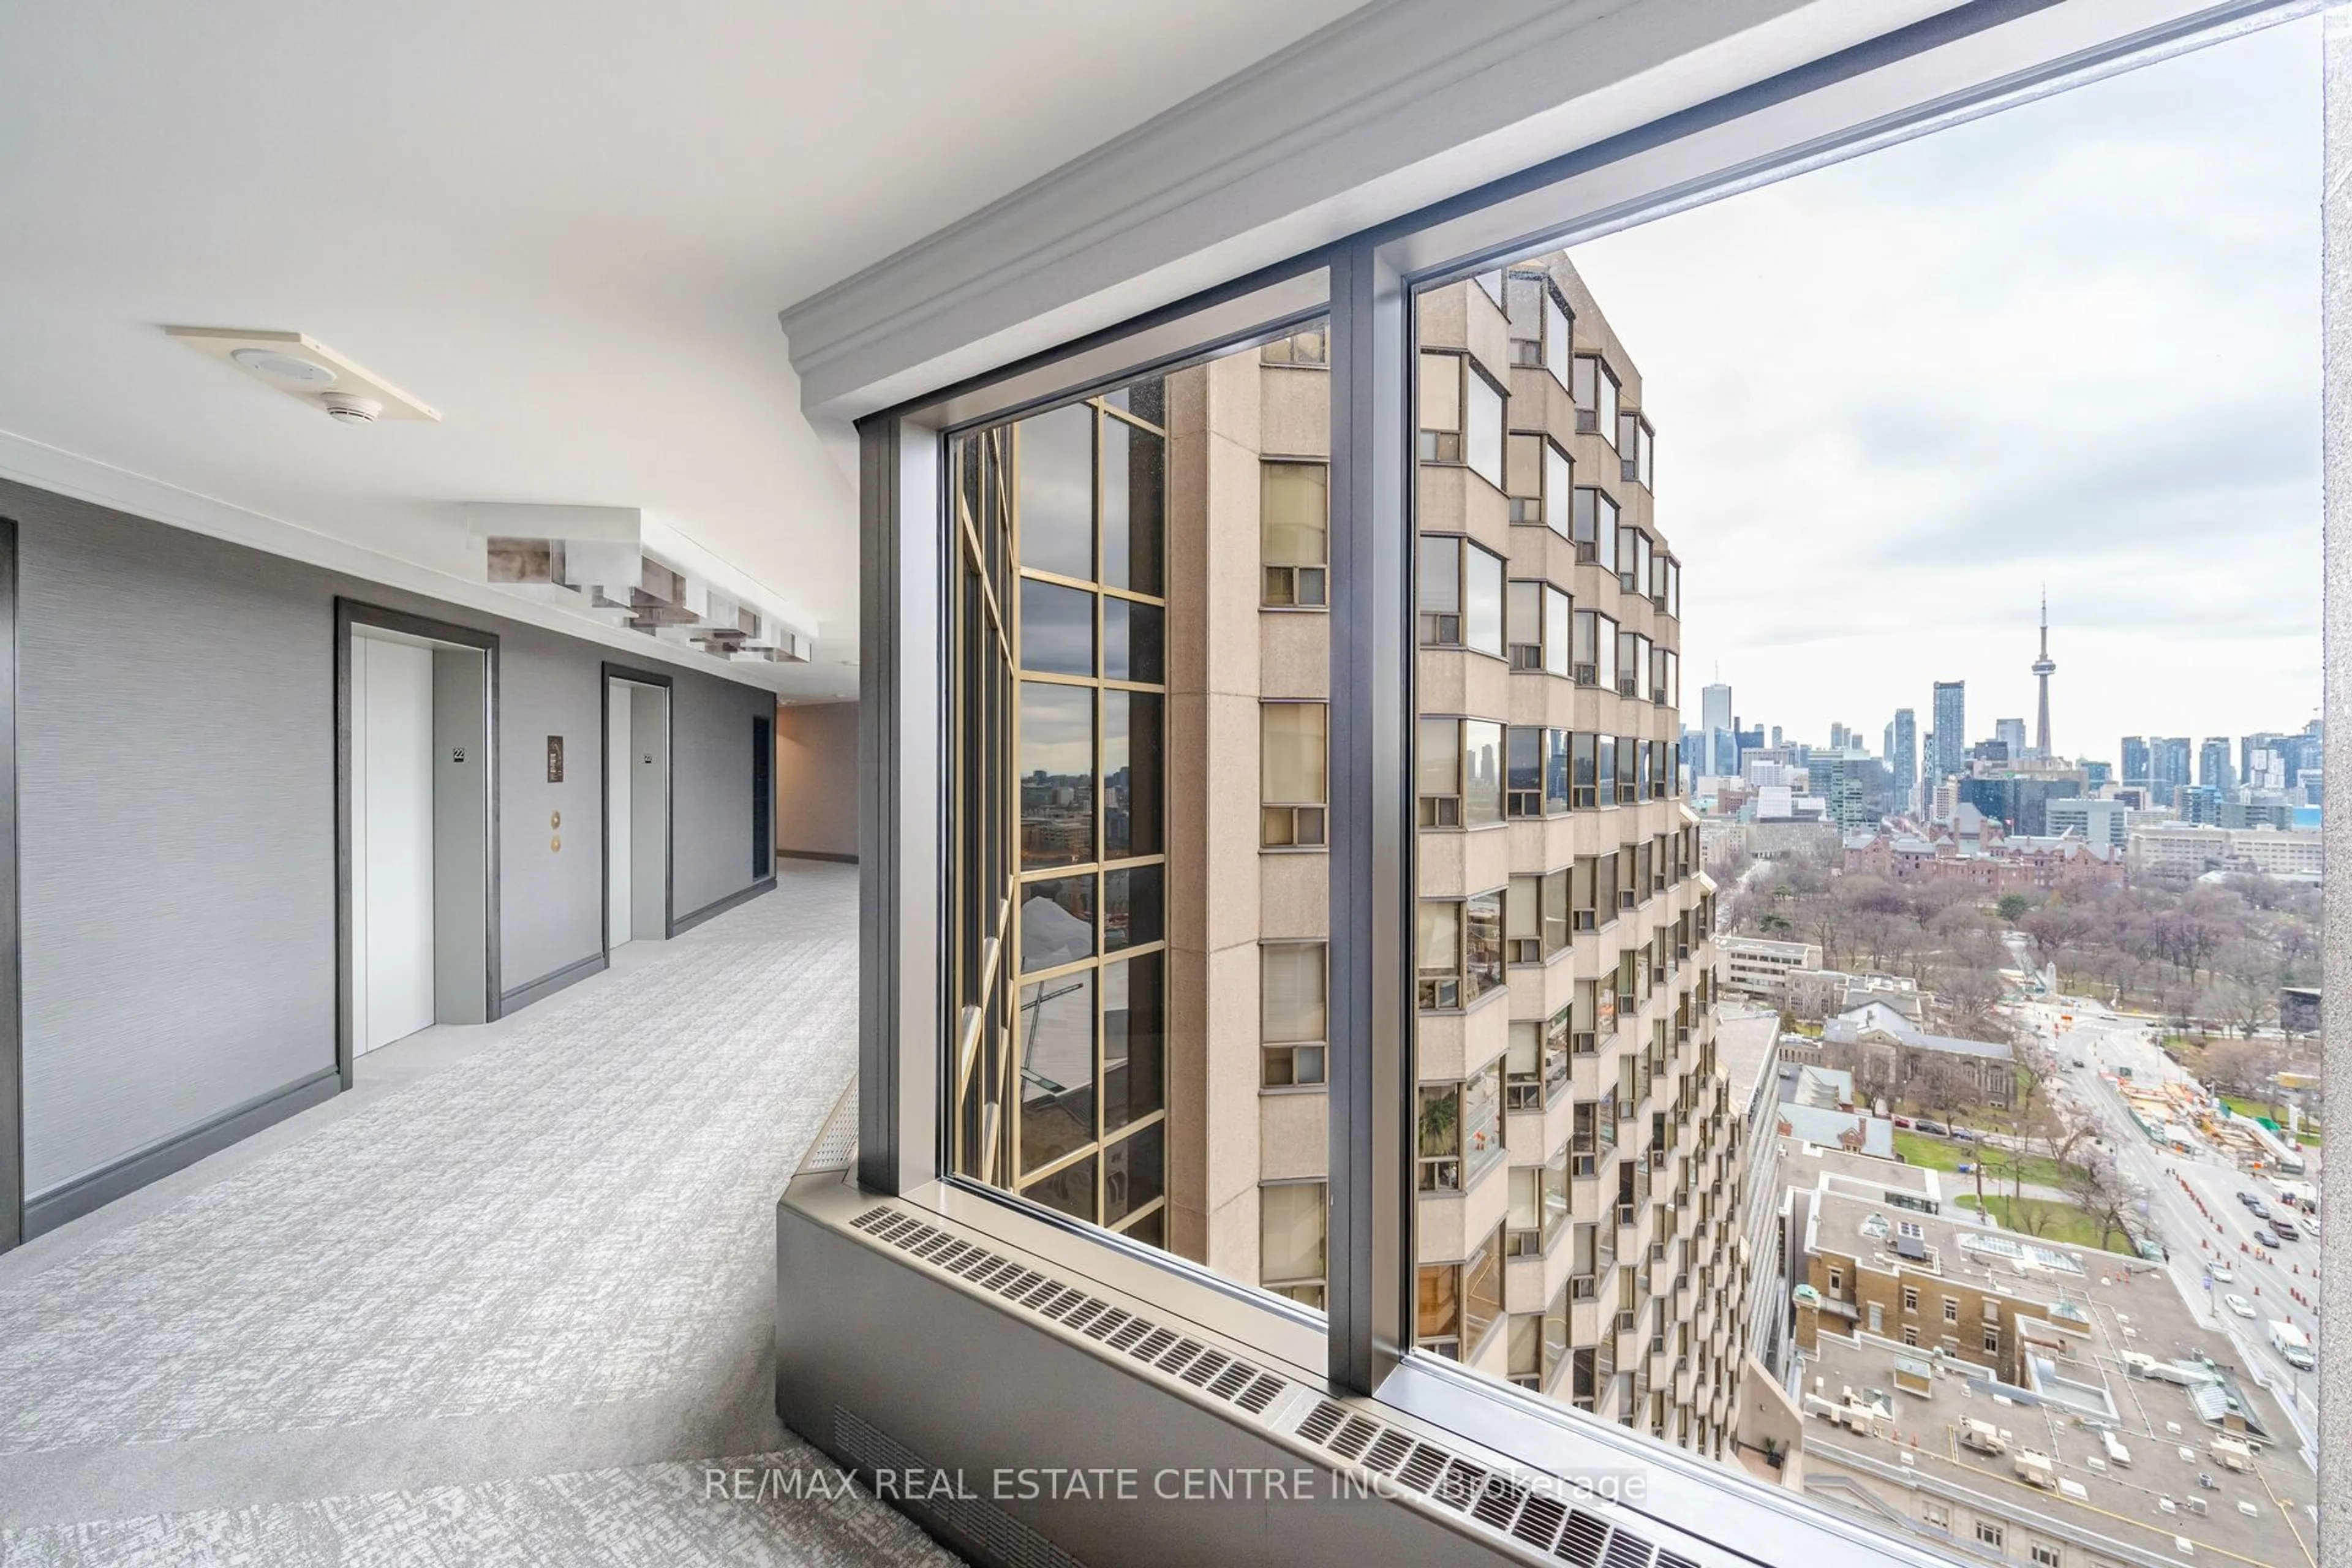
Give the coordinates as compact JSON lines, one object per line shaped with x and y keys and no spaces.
{"x":1647,"y":1487}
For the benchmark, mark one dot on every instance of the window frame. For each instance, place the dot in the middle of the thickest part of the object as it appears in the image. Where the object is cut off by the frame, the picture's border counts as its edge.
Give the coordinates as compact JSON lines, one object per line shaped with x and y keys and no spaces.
{"x":1267,"y":1047}
{"x":1307,"y":582}
{"x":1301,"y":814}
{"x":1364,"y":283}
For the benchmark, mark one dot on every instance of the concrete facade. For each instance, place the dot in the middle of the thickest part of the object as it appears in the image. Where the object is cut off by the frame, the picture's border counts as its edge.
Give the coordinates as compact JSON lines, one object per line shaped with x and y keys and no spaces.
{"x":1577,"y":1152}
{"x":1759,"y":966}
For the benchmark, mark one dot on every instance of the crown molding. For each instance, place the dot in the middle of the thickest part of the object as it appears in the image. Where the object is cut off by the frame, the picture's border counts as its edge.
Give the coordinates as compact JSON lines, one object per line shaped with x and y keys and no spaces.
{"x":1391,"y":107}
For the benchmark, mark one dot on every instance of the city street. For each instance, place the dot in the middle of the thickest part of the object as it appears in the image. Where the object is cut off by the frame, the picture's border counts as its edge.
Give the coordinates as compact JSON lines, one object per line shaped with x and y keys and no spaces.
{"x":2223,"y":1229}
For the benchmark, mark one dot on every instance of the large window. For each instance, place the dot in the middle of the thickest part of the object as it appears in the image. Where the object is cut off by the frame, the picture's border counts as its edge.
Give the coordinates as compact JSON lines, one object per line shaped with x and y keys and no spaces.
{"x":1589,"y":1216}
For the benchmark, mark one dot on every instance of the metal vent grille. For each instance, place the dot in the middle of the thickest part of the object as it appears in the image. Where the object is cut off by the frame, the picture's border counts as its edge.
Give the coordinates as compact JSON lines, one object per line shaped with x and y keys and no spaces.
{"x":1225,"y":1378}
{"x":1004,"y":1537}
{"x":1511,"y":1507}
{"x":836,"y":1147}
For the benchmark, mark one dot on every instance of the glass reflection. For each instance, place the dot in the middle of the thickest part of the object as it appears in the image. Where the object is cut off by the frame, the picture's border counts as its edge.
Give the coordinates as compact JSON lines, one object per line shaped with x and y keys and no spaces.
{"x":1057,"y":777}
{"x":1057,"y":628}
{"x":1132,"y":1173}
{"x":1131,"y":641}
{"x":1134,"y":773}
{"x":1135,"y":1033}
{"x":1057,"y":921}
{"x":1070,"y":1190}
{"x":1133,"y":914}
{"x":1134,"y":496}
{"x":1057,"y":1068}
{"x":1055,"y":470}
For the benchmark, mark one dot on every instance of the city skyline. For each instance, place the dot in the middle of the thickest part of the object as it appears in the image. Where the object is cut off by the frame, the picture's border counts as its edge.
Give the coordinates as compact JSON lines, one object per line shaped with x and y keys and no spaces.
{"x":1970,"y":429}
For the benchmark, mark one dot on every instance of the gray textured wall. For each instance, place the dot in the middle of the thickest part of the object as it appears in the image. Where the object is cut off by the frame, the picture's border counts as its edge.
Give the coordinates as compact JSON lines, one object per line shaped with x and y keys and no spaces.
{"x":461,"y":832}
{"x":177,"y":820}
{"x":711,"y":816}
{"x":816,"y":779}
{"x":176,"y":830}
{"x":550,"y":900}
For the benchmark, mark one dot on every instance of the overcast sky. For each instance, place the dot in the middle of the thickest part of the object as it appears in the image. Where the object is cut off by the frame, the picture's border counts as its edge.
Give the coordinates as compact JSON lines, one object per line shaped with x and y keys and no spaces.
{"x":2074,"y":343}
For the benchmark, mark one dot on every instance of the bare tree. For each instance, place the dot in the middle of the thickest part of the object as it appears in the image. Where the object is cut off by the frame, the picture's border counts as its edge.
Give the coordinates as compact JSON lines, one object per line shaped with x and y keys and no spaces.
{"x":1942,"y":1085}
{"x":2246,"y":1068}
{"x":2100,"y":1191}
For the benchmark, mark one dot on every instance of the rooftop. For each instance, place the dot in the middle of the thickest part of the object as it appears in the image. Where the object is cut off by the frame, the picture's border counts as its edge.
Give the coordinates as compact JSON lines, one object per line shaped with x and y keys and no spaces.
{"x":1855,"y":1130}
{"x":2093,"y":1499}
{"x":2076,"y":1382}
{"x":1879,"y":1018}
{"x":1744,"y":1038}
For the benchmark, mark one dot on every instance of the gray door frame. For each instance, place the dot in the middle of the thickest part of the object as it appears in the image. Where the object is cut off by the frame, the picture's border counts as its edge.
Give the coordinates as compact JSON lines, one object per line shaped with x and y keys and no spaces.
{"x":12,"y":1007}
{"x":351,"y":615}
{"x":635,"y":675}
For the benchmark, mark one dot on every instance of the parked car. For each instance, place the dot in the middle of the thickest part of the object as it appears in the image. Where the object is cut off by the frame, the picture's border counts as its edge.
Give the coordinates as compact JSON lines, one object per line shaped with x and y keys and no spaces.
{"x":2239,"y":1305}
{"x":2249,"y":1199}
{"x":1902,"y":1121}
{"x":2260,"y":1209}
{"x":2153,"y":1251}
{"x":2222,"y":1273}
{"x":2286,"y":1228}
{"x":1936,"y":1128}
{"x":1965,"y":1134}
{"x":2264,"y":1238}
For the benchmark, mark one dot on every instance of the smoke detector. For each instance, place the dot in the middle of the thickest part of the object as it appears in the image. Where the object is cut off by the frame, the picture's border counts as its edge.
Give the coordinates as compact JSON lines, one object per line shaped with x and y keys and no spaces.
{"x":308,"y":370}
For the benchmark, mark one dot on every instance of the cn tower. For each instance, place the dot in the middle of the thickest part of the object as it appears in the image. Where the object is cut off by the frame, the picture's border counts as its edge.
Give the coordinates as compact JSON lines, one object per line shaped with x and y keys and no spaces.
{"x":2043,"y":669}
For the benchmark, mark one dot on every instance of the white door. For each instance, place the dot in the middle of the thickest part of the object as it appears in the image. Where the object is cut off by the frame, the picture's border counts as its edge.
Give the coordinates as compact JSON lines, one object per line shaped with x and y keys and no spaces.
{"x":392,"y":839}
{"x":618,"y":851}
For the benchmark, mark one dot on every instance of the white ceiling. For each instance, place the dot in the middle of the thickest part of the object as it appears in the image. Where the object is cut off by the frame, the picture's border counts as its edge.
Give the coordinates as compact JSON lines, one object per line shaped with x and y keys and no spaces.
{"x":568,"y":227}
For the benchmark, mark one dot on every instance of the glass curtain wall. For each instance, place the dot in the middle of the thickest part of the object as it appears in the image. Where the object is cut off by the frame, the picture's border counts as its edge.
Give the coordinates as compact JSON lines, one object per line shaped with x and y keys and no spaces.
{"x":1140,"y":740}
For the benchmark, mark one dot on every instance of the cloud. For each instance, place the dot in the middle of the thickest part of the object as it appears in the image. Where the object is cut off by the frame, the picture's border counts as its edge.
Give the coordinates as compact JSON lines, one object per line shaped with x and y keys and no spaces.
{"x":2075,"y":343}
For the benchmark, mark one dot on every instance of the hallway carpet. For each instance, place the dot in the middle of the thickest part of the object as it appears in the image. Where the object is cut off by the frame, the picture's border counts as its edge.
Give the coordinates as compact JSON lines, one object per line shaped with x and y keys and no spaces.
{"x":477,"y":1318}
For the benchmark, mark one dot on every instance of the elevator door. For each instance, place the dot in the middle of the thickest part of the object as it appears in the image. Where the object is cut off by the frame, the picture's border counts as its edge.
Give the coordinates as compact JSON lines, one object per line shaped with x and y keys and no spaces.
{"x":391,"y":860}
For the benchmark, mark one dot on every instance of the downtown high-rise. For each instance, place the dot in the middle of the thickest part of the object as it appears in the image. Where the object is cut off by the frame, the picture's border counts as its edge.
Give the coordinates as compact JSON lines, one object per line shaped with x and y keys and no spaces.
{"x":1951,"y":731}
{"x":1903,"y":758}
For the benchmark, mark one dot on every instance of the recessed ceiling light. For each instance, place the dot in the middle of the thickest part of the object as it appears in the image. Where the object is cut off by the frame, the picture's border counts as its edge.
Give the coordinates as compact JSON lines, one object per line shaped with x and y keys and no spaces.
{"x":303,"y":368}
{"x":284,"y":367}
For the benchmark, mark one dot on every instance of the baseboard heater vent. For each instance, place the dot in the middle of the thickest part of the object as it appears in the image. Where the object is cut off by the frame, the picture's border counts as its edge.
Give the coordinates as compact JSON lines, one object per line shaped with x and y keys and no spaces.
{"x":982,"y":1523}
{"x":835,"y":1148}
{"x":1531,"y":1514}
{"x":1222,"y":1378}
